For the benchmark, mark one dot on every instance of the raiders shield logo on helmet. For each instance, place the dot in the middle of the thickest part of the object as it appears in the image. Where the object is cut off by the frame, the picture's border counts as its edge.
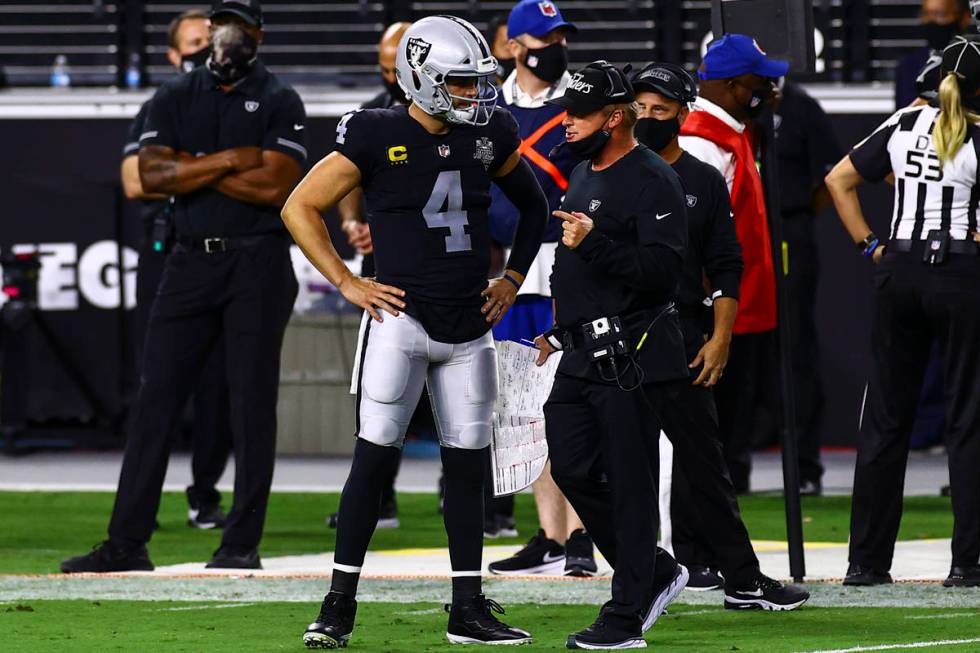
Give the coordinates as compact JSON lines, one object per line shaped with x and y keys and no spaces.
{"x":417,"y":51}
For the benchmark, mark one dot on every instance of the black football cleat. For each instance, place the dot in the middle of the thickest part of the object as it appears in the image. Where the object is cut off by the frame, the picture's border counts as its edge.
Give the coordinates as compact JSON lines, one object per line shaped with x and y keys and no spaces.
{"x":471,"y":621}
{"x":108,"y":557}
{"x":334,"y":624}
{"x":704,"y":579}
{"x":963,"y":577}
{"x":861,"y":576}
{"x":580,"y":555}
{"x":601,"y":636}
{"x":663,"y":594}
{"x":228,"y":557}
{"x":206,"y":516}
{"x":765,"y":593}
{"x":539,"y":556}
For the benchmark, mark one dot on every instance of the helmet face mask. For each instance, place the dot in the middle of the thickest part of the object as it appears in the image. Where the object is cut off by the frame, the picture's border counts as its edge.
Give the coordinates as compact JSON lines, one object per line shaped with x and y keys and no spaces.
{"x":437,"y":49}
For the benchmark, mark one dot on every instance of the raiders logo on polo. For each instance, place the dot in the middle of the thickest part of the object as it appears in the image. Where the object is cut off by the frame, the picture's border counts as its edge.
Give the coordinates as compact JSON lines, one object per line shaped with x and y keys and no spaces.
{"x":593,"y":205}
{"x":444,"y":151}
{"x":251,"y":106}
{"x":417,"y":51}
{"x":692,"y":201}
{"x":484,"y":152}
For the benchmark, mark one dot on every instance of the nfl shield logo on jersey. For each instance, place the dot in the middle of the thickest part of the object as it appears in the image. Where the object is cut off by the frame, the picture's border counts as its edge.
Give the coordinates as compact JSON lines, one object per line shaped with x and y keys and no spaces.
{"x":692,"y":201}
{"x":444,"y":151}
{"x":594,"y":204}
{"x":484,"y":151}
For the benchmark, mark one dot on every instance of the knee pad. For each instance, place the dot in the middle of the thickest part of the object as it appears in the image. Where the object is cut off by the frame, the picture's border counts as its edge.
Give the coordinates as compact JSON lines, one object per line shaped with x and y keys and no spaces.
{"x":474,"y":436}
{"x":382,"y":431}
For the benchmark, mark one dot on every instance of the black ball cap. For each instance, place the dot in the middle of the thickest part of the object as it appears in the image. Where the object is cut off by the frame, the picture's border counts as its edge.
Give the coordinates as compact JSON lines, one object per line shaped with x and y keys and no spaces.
{"x":248,"y":10}
{"x":597,"y":85}
{"x":962,"y":56}
{"x":669,"y":80}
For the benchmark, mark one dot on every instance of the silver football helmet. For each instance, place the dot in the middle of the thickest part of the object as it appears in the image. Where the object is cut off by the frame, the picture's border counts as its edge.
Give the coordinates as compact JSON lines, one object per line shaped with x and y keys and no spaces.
{"x":436,"y":48}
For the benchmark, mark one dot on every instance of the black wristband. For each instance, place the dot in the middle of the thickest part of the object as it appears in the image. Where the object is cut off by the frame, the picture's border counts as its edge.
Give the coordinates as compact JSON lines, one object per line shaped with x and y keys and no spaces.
{"x":513,"y":281}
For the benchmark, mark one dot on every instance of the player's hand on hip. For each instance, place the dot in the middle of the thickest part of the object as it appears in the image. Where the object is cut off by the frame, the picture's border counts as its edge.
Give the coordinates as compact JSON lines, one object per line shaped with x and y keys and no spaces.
{"x":372,"y":296}
{"x":544,"y":350}
{"x":714,"y":355}
{"x":576,"y":227}
{"x":499,"y":296}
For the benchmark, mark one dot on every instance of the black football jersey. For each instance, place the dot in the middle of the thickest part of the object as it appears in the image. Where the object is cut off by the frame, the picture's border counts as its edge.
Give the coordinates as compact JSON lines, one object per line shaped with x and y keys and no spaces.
{"x":427,"y":198}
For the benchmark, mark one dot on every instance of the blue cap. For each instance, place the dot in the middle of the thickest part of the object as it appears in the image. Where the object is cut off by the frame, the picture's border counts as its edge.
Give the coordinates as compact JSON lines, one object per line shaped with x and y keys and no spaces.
{"x":736,"y":54}
{"x":535,"y":17}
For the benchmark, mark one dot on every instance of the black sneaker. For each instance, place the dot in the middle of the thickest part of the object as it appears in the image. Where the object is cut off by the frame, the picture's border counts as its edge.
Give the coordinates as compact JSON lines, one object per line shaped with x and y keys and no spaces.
{"x":108,"y":557}
{"x":228,"y":557}
{"x":861,"y":576}
{"x":539,"y":556}
{"x":663,"y":594}
{"x":963,"y":577}
{"x":580,"y":555}
{"x":704,"y":579}
{"x":471,"y":621}
{"x":334,"y":624}
{"x":767,"y":594}
{"x":387,"y":518}
{"x":811,"y":488}
{"x":495,"y":526}
{"x":206,"y":516}
{"x":600,"y":635}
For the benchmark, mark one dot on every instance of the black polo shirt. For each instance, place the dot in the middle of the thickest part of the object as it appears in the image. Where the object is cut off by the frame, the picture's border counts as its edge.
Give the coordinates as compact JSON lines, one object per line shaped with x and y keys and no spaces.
{"x":149,"y":209}
{"x":190,"y":113}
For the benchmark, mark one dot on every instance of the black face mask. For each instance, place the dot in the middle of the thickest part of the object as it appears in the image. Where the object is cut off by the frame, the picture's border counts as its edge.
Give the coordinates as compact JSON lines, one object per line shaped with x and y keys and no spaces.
{"x":587,"y":148}
{"x":938,"y":36}
{"x":233,"y":53}
{"x":191,"y":61}
{"x":549,"y":63}
{"x":657,"y":134}
{"x":395,"y":91}
{"x":505,"y":67}
{"x":757,"y":103}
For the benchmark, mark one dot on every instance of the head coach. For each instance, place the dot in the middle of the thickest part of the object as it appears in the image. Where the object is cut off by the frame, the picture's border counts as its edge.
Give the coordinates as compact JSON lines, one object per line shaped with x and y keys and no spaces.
{"x":226,"y":140}
{"x":615,"y":277}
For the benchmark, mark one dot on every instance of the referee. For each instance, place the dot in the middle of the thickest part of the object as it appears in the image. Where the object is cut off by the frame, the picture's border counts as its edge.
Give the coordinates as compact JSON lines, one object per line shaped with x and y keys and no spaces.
{"x":926,"y":290}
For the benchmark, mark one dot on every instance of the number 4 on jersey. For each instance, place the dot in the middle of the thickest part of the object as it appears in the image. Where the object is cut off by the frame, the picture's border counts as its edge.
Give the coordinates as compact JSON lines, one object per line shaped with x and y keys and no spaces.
{"x":448,"y":192}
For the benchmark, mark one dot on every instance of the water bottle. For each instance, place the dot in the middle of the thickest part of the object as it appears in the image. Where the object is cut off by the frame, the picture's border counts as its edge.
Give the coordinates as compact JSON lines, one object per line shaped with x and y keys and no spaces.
{"x":133,"y":77}
{"x":60,"y":77}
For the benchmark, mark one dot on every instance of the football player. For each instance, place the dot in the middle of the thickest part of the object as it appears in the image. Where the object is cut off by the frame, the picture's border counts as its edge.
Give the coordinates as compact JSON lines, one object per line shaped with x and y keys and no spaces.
{"x":426,"y":171}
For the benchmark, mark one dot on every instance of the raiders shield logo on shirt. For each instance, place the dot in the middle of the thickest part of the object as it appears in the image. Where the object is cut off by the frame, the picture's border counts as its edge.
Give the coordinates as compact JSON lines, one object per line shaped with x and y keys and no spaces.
{"x":484,"y":151}
{"x":692,"y":201}
{"x":593,"y":205}
{"x":251,"y":106}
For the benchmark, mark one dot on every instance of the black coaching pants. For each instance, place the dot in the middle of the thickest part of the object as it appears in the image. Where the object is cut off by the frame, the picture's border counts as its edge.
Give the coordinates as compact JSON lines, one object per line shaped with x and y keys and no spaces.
{"x":915,"y":305}
{"x":211,"y":429}
{"x":240,"y":299}
{"x":603,"y":443}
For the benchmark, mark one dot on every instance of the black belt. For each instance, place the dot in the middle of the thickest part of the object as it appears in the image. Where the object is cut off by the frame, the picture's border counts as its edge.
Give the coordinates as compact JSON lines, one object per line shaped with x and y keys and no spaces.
{"x":217,"y":245}
{"x":955,"y":246}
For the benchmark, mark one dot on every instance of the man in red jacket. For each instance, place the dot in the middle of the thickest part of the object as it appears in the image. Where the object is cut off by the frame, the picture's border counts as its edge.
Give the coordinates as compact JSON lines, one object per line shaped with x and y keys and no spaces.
{"x":737,"y":81}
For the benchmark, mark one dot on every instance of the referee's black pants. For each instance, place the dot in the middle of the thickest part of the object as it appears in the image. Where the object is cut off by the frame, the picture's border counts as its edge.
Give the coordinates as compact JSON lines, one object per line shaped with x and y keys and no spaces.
{"x":914,"y":305}
{"x":211,"y":428}
{"x":241,"y":298}
{"x":603,"y":444}
{"x":707,"y":526}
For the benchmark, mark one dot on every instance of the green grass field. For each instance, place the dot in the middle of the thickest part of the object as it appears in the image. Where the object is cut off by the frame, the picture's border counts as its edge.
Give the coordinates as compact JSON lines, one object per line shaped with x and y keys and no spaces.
{"x":42,"y":528}
{"x":83,"y":626}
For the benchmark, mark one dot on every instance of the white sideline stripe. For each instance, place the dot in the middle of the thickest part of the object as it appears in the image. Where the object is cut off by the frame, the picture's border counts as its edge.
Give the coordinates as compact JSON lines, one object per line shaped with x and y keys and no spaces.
{"x":462,"y":574}
{"x":950,"y":615}
{"x":346,"y":568}
{"x":897,"y":647}
{"x":205,"y":607}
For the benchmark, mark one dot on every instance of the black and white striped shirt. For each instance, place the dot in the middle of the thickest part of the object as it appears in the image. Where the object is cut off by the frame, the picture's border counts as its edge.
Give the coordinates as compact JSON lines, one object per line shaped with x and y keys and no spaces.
{"x":927,"y":196}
